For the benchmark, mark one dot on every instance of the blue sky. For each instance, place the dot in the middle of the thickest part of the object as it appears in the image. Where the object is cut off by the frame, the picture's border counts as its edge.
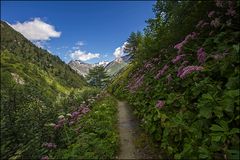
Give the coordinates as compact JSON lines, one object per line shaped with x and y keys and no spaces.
{"x":78,"y":29}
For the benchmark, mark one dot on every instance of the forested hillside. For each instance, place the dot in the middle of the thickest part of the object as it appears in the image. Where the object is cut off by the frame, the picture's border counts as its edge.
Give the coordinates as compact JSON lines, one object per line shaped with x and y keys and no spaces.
{"x":21,"y":56}
{"x":183,"y":83}
{"x":44,"y":103}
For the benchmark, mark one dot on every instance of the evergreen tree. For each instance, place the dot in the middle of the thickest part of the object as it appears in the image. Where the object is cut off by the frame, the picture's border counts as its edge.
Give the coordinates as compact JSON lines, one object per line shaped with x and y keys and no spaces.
{"x":97,"y":77}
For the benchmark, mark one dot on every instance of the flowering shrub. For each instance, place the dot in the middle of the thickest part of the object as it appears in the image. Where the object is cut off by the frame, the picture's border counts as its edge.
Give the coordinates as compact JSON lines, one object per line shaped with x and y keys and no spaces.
{"x":63,"y":130}
{"x":94,"y":135}
{"x":190,"y":104}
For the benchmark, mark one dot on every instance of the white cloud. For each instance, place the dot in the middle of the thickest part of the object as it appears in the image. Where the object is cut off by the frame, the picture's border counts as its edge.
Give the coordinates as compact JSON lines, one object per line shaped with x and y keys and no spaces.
{"x":40,"y":44}
{"x":36,"y":30}
{"x":62,"y":47}
{"x":104,"y":63}
{"x":75,"y":47}
{"x":120,"y":50}
{"x":83,"y":56}
{"x":79,"y":43}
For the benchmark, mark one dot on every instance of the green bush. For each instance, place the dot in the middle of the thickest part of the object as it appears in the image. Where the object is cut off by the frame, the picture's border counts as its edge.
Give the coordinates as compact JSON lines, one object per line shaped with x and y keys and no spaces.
{"x":97,"y":135}
{"x":189,"y":101}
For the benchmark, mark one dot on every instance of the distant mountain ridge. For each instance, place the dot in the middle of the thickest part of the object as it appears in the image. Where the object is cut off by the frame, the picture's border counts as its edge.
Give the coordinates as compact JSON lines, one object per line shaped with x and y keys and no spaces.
{"x":80,"y":67}
{"x":116,"y":65}
{"x":112,"y":67}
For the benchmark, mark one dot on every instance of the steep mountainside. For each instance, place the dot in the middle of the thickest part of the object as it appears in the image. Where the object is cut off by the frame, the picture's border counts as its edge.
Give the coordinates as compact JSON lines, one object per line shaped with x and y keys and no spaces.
{"x":80,"y":67}
{"x":112,"y":68}
{"x":34,"y":65}
{"x":115,"y":66}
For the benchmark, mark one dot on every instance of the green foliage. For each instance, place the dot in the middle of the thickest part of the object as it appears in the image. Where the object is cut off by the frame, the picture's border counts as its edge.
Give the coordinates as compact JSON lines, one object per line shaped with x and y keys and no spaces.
{"x":97,"y":77}
{"x":133,"y":44}
{"x":26,"y":57}
{"x":97,"y":137}
{"x":199,"y":118}
{"x":31,"y":81}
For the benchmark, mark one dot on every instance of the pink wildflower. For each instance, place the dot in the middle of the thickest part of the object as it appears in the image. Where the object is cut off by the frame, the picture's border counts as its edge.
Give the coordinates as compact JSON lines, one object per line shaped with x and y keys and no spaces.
{"x":219,"y":3}
{"x":185,"y":62}
{"x":190,"y":36}
{"x":199,"y":23}
{"x":85,"y":110}
{"x":169,"y":78}
{"x":57,"y":126}
{"x":136,"y":82}
{"x":180,"y":45}
{"x":189,"y":69}
{"x":204,"y":24}
{"x":49,"y":145}
{"x":45,"y":158}
{"x":231,"y":12}
{"x":210,"y":33}
{"x":156,"y":59}
{"x":161,"y":72}
{"x":148,"y":65}
{"x":194,"y":35}
{"x":210,"y":14}
{"x":180,"y":71}
{"x":177,"y":58}
{"x":201,"y":55}
{"x":75,"y":114}
{"x":160,"y":104}
{"x":215,"y":22}
{"x":61,"y":121}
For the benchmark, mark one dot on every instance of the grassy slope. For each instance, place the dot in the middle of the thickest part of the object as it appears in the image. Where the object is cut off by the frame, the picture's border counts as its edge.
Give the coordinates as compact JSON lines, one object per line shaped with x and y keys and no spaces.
{"x":35,"y":65}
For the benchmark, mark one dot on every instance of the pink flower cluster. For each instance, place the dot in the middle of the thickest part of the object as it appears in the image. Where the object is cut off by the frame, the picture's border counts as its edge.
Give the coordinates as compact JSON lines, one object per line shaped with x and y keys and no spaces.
{"x":231,"y":12}
{"x":219,"y":3}
{"x":201,"y":55}
{"x":49,"y":145}
{"x":84,"y":110}
{"x":45,"y":158}
{"x":184,"y":62}
{"x":79,"y":113}
{"x":60,"y":123}
{"x":215,"y":23}
{"x":169,"y":78}
{"x":136,"y":83}
{"x":148,"y":65}
{"x":183,"y":72}
{"x":161,"y":71}
{"x":180,"y":45}
{"x":201,"y":24}
{"x":160,"y":104}
{"x":177,"y":58}
{"x":72,"y":118}
{"x":210,"y":14}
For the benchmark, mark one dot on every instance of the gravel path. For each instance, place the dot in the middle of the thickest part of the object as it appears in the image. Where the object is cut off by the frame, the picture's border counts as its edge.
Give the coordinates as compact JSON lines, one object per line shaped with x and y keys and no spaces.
{"x":134,"y":142}
{"x":127,"y":127}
